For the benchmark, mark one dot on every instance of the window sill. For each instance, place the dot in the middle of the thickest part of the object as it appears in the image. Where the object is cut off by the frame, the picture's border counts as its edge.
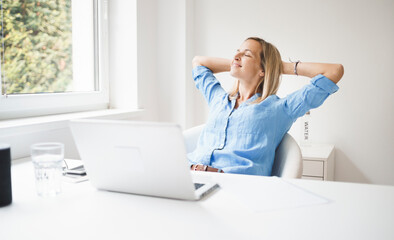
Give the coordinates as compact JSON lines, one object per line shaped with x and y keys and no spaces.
{"x":64,"y":118}
{"x":21,"y":133}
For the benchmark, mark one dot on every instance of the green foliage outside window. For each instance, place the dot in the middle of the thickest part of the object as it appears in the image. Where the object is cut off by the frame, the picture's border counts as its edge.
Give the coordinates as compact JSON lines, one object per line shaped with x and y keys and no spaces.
{"x":37,"y":52}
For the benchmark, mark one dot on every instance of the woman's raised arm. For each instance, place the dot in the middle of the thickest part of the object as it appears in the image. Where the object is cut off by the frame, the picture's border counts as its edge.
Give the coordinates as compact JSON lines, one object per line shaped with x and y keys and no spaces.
{"x":216,"y":65}
{"x":332,"y":71}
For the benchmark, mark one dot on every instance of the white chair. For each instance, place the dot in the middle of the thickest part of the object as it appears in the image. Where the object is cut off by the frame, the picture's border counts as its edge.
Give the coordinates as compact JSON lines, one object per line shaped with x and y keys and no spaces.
{"x":288,"y":160}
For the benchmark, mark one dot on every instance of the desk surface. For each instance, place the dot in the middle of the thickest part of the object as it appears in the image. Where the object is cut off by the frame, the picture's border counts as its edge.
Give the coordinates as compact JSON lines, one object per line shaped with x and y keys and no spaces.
{"x":356,"y":211}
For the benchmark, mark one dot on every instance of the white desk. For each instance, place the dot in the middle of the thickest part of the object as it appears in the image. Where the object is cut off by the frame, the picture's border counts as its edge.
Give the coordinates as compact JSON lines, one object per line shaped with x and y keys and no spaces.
{"x":357,"y":211}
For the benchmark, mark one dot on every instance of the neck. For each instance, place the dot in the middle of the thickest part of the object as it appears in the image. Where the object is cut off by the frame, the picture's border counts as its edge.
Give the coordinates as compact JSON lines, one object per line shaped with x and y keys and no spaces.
{"x":246,"y":91}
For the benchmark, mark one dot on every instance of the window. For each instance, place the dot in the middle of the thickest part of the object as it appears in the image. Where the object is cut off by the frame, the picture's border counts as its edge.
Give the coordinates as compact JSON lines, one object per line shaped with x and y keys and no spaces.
{"x":53,"y":57}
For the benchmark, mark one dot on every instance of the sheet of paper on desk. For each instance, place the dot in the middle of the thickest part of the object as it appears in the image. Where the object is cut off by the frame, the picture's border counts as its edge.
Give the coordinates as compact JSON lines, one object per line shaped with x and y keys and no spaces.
{"x":267,"y":194}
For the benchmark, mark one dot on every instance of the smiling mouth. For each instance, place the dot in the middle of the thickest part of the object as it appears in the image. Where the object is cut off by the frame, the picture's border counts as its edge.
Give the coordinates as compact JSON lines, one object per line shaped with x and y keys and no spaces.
{"x":237,"y":65}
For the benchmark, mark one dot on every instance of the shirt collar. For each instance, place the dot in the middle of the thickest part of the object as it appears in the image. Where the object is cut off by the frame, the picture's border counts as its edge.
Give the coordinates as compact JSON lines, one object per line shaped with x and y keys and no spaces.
{"x":253,"y":98}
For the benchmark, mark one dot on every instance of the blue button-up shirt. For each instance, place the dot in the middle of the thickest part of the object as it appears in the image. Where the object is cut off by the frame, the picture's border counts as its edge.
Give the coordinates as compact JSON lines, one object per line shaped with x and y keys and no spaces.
{"x":244,"y":140}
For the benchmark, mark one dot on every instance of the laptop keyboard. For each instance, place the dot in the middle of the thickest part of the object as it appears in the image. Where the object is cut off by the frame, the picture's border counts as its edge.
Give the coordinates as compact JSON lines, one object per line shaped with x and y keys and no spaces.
{"x":198,"y":185}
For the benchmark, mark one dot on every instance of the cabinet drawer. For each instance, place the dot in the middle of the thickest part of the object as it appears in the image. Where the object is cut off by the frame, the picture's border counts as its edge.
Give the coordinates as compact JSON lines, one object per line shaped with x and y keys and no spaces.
{"x":312,"y":178}
{"x":313,"y":168}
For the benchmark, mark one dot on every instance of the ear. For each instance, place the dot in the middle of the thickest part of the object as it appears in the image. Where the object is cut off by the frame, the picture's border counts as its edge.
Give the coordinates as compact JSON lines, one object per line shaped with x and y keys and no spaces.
{"x":261,"y":74}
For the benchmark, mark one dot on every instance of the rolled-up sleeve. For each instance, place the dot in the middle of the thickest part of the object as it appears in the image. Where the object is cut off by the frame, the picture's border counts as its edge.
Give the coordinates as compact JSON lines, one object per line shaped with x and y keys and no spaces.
{"x":310,"y":96}
{"x":207,"y":83}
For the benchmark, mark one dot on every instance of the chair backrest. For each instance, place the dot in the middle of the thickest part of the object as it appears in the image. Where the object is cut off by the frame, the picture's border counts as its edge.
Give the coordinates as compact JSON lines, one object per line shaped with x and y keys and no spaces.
{"x":191,"y":137}
{"x":288,"y":160}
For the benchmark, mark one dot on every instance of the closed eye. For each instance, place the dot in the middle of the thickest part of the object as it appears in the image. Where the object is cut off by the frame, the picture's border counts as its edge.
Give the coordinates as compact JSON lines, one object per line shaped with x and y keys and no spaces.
{"x":244,"y":53}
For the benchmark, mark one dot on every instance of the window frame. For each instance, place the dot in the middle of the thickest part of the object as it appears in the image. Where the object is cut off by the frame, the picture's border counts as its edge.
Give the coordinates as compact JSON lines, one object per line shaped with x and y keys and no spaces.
{"x":30,"y":105}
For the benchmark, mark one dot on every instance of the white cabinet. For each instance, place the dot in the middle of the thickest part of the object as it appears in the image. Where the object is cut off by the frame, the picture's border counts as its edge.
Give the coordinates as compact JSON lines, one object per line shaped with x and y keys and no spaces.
{"x":318,"y":161}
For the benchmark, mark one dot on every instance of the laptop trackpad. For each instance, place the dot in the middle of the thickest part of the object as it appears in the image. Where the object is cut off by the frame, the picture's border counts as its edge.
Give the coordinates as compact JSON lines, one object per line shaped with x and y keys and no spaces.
{"x":129,"y":157}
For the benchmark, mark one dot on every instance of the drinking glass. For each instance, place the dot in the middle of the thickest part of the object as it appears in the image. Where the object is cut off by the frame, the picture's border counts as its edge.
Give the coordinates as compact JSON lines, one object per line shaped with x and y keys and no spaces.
{"x":47,"y":159}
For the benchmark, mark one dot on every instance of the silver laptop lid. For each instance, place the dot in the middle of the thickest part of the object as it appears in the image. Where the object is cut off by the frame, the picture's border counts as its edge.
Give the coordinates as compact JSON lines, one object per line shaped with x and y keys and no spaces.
{"x":145,"y":158}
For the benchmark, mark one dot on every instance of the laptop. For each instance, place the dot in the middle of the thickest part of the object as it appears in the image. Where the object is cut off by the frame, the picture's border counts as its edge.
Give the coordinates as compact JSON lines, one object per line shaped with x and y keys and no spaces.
{"x":146,"y":158}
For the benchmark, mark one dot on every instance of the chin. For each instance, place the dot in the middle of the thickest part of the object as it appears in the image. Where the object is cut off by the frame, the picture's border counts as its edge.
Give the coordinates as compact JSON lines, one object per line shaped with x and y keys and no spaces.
{"x":234,"y":73}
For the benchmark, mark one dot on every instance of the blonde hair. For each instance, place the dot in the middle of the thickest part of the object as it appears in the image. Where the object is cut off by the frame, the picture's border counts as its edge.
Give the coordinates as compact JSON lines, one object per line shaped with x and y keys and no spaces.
{"x":271,"y":63}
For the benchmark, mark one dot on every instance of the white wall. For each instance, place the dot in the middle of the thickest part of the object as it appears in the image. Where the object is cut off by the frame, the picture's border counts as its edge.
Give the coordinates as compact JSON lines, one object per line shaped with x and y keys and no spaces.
{"x":359,"y":34}
{"x":122,"y":29}
{"x":171,"y":59}
{"x":163,"y":62}
{"x":147,"y":57}
{"x":175,"y":52}
{"x":136,"y":74}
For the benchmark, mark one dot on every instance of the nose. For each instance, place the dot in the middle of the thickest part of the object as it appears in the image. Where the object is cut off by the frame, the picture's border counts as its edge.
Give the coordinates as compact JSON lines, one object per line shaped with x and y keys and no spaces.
{"x":237,"y":56}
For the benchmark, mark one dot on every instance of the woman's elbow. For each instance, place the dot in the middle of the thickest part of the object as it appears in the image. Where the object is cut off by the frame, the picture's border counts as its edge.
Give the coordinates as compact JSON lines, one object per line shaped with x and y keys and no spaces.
{"x":337,"y":73}
{"x":196,"y":61}
{"x":341,"y":71}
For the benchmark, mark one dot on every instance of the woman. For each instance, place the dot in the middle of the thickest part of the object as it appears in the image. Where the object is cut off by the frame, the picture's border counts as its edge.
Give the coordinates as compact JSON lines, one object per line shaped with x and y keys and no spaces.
{"x":246,"y":126}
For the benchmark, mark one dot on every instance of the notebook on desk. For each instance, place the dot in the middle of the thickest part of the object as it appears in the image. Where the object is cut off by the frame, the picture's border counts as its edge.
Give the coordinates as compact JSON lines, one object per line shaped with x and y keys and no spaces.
{"x":146,"y":158}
